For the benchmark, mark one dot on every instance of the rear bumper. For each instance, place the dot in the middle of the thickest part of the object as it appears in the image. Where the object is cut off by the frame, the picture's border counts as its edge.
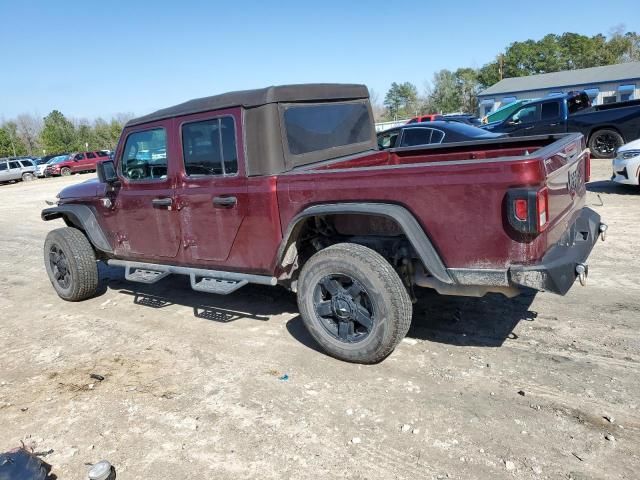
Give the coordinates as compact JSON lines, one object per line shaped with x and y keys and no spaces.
{"x":556,"y":272}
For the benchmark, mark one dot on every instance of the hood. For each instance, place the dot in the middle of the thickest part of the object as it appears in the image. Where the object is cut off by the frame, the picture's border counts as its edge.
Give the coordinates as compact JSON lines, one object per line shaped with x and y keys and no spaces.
{"x":635,"y":145}
{"x":90,"y":188}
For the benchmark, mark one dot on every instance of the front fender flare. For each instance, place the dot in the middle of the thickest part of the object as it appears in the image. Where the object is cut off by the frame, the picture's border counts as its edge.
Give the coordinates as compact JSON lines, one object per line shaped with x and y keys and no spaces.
{"x":82,"y":217}
{"x":405,"y":219}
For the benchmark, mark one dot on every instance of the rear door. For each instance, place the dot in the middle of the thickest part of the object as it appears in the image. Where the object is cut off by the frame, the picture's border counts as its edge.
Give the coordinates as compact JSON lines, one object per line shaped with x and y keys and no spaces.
{"x":212,"y":194}
{"x":15,"y":170}
{"x":90,"y":161}
{"x":550,"y":119}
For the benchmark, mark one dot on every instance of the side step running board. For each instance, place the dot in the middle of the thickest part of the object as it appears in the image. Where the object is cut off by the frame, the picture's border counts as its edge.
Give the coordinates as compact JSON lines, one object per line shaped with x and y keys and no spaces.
{"x":216,"y":285}
{"x":202,"y":280}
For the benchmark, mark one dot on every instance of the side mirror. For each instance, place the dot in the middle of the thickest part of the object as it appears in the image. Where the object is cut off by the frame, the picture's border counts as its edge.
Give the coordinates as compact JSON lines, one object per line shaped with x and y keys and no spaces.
{"x":107,"y":171}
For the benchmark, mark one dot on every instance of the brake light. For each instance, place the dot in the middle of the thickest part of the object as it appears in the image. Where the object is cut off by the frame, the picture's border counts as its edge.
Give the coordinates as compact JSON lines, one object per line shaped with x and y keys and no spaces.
{"x":528,"y":209}
{"x":542,"y":208}
{"x":521,"y":209}
{"x":587,"y":166}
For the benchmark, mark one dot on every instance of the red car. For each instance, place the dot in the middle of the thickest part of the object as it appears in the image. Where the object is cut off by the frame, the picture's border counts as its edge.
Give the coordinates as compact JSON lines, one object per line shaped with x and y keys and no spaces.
{"x":286,"y":186}
{"x":427,"y":118}
{"x":76,"y":163}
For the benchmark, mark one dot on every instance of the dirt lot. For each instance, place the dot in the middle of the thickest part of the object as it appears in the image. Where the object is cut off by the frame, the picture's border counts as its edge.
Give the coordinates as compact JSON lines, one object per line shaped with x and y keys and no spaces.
{"x":195,"y":384}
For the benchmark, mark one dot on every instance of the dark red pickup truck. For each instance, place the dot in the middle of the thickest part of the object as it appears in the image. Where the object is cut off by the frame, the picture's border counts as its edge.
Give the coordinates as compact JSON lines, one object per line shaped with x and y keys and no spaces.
{"x":286,"y":186}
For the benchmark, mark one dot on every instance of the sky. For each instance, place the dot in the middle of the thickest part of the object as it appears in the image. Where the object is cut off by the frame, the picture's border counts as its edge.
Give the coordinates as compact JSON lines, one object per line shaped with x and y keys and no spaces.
{"x":97,"y":59}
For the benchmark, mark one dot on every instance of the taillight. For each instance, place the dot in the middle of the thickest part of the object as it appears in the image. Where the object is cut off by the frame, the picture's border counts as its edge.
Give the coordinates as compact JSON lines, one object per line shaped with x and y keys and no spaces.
{"x":542,"y":208}
{"x":587,"y":166}
{"x":528,"y":209}
{"x":521,"y":209}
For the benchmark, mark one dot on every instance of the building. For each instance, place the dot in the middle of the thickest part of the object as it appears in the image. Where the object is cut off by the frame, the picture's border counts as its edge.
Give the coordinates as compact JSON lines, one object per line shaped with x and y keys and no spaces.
{"x":608,"y":84}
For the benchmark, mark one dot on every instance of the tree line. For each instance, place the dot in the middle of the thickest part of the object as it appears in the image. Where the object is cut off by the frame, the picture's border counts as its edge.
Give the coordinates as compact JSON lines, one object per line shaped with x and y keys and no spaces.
{"x":30,"y":135}
{"x":457,"y":91}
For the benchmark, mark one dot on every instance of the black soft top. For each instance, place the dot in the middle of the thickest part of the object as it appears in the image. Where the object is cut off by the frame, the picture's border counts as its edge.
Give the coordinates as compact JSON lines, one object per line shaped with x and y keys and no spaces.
{"x":310,"y":92}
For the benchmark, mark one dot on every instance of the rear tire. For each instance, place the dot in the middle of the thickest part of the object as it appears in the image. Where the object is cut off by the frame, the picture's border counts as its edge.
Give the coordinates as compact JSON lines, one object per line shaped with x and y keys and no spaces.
{"x":71,"y":264}
{"x":604,"y":143}
{"x":353,"y":303}
{"x":65,"y":172}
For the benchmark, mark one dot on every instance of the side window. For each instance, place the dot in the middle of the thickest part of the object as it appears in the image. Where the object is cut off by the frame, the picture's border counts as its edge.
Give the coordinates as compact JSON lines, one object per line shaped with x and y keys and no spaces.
{"x":209,"y":147}
{"x":388,"y":140}
{"x":416,"y":136}
{"x":550,"y":111}
{"x":145,"y":155}
{"x":525,"y":115}
{"x":26,"y":163}
{"x":91,"y":155}
{"x":80,"y":156}
{"x":3,"y":166}
{"x":14,"y":165}
{"x":437,"y":136}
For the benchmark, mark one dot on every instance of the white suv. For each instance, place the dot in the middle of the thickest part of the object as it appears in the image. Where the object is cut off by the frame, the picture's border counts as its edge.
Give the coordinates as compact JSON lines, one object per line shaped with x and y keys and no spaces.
{"x":12,"y":169}
{"x":626,"y":165}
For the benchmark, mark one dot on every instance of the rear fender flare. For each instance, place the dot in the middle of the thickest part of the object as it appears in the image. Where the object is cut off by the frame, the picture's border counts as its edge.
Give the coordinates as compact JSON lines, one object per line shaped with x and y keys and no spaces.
{"x":405,"y":219}
{"x":83,"y":218}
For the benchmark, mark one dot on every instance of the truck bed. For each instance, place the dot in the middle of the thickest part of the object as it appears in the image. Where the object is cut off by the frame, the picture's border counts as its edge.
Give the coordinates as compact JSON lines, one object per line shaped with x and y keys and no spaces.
{"x":456,"y":192}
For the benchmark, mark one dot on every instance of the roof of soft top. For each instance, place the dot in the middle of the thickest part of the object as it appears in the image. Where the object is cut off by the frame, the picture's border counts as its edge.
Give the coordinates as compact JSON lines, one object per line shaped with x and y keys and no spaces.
{"x":253,"y":98}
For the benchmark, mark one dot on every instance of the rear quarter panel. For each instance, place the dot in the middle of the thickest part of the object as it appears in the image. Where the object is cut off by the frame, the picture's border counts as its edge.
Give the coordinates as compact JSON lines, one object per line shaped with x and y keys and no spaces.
{"x":459,"y":203}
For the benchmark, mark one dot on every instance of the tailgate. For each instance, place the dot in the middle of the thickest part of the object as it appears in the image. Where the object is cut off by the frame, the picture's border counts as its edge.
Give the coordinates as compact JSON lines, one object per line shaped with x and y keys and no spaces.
{"x":567,"y":171}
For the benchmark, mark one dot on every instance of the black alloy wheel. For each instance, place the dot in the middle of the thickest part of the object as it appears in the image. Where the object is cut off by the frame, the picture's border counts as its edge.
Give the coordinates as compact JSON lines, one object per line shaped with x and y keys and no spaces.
{"x":344,"y":308}
{"x":59,"y":266}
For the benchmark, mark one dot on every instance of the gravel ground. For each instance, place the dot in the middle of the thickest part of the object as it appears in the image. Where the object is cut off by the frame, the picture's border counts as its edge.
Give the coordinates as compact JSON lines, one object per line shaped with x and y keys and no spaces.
{"x":201,"y":386}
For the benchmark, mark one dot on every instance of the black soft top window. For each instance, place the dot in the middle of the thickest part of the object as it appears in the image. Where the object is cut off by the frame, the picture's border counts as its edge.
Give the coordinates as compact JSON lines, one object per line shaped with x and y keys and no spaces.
{"x":318,"y":127}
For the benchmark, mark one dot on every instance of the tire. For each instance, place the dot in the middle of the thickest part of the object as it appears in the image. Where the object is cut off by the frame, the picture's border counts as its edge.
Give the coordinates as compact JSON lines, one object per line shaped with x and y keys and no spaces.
{"x":604,"y":143}
{"x":342,"y":284}
{"x":71,"y":264}
{"x":27,"y":177}
{"x":65,"y":171}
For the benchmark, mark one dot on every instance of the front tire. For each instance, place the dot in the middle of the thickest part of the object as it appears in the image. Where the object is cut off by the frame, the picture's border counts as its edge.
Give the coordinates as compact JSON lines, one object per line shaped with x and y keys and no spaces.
{"x":71,"y":264}
{"x":604,"y":143}
{"x":353,"y":303}
{"x":65,"y":172}
{"x":27,"y":177}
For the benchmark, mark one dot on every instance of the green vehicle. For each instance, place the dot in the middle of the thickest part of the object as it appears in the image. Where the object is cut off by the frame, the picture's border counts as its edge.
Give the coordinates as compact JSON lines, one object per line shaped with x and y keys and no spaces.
{"x":504,"y":111}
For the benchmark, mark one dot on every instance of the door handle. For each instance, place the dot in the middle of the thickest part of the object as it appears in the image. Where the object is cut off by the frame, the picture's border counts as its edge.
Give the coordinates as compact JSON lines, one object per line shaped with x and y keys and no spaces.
{"x":162,"y":202}
{"x":225,"y":201}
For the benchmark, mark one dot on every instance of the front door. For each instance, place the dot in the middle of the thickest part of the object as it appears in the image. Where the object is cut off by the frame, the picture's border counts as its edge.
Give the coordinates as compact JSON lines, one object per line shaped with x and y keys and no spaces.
{"x":78,"y":164}
{"x":212,"y":195}
{"x":522,"y":122}
{"x":144,"y":222}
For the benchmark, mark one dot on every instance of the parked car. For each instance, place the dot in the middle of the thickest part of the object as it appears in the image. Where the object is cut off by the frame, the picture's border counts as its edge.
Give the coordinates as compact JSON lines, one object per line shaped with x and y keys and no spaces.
{"x":606,"y":127}
{"x":13,"y":169}
{"x":431,"y":133}
{"x":286,"y":185}
{"x":626,"y":165}
{"x":76,"y":163}
{"x":463,"y":118}
{"x":41,"y":169}
{"x":426,"y":118}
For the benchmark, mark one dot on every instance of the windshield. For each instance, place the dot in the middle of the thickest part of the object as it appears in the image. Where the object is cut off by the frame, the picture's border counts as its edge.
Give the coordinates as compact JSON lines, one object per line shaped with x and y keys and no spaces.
{"x":58,"y":159}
